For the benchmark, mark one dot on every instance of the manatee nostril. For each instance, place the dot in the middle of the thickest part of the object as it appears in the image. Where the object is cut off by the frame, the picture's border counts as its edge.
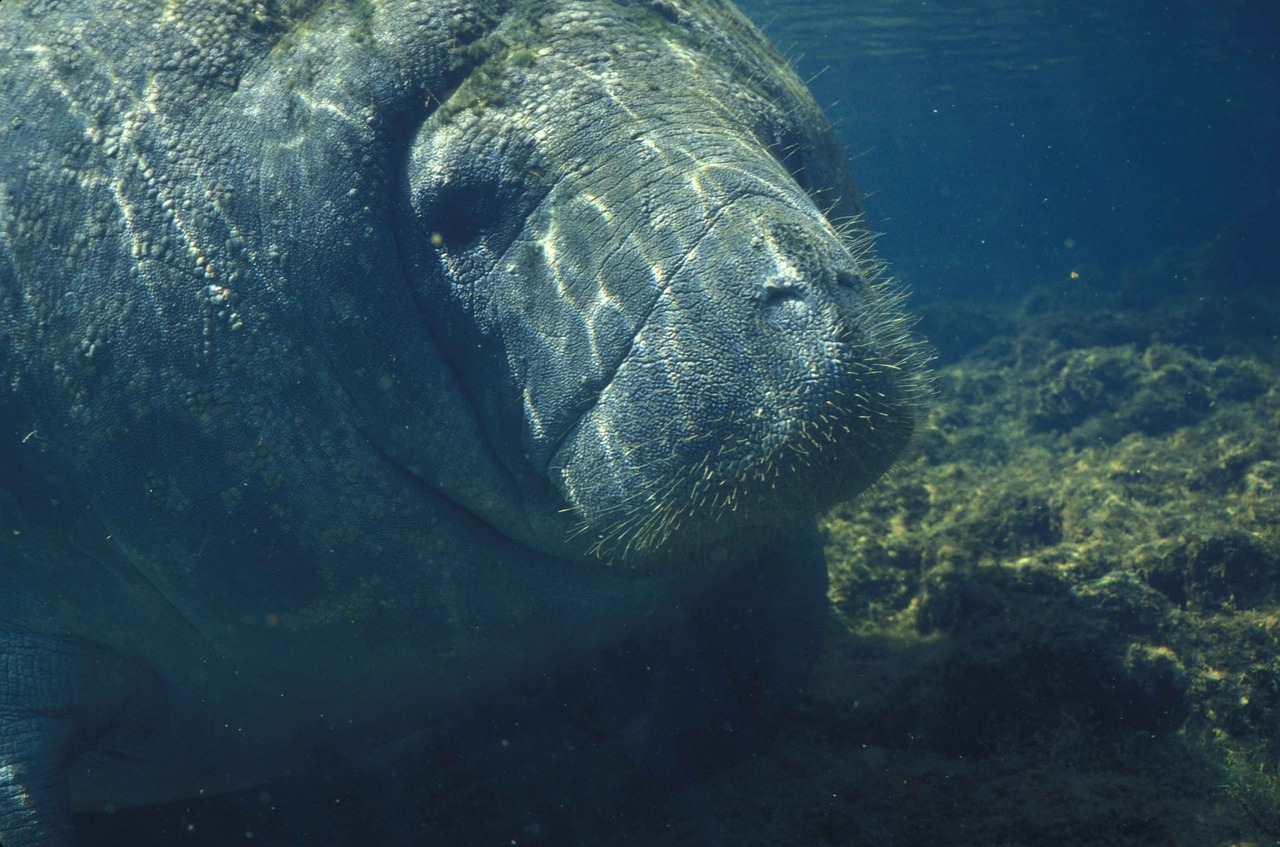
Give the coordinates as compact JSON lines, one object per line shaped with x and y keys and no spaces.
{"x":847,"y":279}
{"x":776,"y":293}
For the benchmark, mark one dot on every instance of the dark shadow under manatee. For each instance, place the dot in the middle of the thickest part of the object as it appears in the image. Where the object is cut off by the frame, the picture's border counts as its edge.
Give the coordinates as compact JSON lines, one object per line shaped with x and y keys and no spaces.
{"x":559,"y":760}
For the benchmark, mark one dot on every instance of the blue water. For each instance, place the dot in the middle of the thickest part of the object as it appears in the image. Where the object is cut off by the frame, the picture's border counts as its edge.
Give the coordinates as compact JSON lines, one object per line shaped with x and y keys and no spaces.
{"x":1003,"y":144}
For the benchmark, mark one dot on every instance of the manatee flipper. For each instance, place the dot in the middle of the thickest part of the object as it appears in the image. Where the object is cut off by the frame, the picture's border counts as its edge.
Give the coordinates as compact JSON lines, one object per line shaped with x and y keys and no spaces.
{"x":58,"y":698}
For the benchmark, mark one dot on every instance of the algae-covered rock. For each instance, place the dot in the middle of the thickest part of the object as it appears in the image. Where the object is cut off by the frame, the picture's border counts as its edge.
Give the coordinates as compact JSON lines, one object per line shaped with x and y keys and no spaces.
{"x":1085,"y":547}
{"x":1107,"y":393}
{"x":1057,"y":619}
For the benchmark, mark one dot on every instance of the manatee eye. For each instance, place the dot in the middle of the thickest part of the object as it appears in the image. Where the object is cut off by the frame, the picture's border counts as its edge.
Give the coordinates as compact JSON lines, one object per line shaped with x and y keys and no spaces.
{"x":456,"y":216}
{"x":474,"y":215}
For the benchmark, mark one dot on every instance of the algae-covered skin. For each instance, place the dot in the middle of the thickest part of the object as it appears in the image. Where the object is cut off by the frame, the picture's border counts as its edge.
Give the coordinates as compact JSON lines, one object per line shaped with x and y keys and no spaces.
{"x":358,"y":359}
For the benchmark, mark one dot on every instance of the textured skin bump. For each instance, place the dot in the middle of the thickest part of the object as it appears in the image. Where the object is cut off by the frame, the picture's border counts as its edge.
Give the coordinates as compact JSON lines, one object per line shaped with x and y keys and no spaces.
{"x":360,"y":358}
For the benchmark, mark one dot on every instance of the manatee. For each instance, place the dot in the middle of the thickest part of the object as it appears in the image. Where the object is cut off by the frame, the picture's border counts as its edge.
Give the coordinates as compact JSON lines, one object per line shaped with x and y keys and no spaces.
{"x":361,"y":359}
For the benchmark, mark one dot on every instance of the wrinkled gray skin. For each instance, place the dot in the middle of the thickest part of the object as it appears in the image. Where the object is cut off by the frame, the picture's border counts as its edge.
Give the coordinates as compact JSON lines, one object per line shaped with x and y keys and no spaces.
{"x":359,"y":358}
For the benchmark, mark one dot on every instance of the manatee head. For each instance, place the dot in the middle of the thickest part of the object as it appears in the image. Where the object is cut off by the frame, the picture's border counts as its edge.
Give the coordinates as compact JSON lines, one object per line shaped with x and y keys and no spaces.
{"x":621,"y":229}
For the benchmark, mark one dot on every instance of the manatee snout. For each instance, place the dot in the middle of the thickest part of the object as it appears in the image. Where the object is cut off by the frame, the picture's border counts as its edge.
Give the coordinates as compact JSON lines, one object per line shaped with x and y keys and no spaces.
{"x":772,"y":379}
{"x":666,"y":342}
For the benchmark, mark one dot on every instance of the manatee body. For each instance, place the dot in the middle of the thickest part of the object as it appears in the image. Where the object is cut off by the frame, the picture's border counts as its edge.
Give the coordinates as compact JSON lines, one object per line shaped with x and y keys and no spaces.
{"x":358,"y":359}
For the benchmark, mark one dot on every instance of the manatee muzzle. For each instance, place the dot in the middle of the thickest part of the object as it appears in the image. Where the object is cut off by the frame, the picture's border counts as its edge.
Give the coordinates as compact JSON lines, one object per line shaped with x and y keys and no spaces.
{"x":769,"y":380}
{"x":666,"y":344}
